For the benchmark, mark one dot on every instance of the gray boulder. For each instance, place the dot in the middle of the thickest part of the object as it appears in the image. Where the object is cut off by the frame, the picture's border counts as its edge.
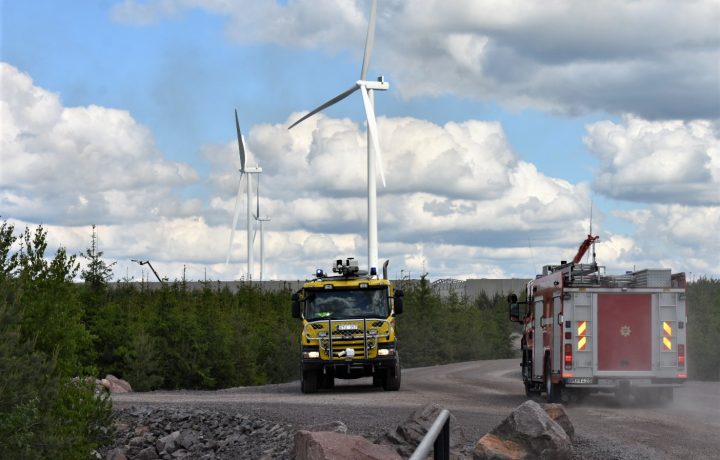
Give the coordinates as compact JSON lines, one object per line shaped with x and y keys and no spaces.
{"x":558,"y":414}
{"x":147,"y":453}
{"x":187,"y":439}
{"x":116,"y":454}
{"x":528,"y":432}
{"x":328,"y":445}
{"x":181,"y":453}
{"x":168,"y":443}
{"x":115,"y":385}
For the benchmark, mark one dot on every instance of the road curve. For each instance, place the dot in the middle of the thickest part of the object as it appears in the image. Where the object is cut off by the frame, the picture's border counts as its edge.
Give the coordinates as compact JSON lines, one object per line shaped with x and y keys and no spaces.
{"x":479,"y":394}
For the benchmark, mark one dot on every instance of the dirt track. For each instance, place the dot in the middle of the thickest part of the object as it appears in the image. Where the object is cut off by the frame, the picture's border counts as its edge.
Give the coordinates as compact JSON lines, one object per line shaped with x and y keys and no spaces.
{"x":479,"y":394}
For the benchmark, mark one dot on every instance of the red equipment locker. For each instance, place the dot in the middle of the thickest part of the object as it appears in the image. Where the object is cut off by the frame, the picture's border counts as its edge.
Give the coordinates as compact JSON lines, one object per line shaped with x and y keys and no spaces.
{"x":624,"y":332}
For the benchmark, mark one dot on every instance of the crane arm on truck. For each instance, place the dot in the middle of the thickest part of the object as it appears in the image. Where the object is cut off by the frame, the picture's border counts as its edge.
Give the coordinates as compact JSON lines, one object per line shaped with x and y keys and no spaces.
{"x":584,"y":246}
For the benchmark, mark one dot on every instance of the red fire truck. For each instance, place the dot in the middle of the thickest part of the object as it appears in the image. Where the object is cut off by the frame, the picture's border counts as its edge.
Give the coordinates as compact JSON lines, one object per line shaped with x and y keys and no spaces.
{"x":585,"y":331}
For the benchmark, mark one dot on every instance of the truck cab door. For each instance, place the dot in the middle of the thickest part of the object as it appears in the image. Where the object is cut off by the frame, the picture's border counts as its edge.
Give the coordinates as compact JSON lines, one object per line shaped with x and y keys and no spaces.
{"x":538,"y":349}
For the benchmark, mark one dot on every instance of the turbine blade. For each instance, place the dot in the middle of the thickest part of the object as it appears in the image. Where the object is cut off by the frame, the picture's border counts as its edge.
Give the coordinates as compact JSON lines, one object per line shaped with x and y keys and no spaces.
{"x":372,"y":129}
{"x":332,"y":101}
{"x":241,"y":143}
{"x":369,"y":39}
{"x":235,"y":219}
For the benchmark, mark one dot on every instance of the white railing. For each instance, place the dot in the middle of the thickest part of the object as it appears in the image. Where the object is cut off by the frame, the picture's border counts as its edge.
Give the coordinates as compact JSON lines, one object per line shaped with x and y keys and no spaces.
{"x":437,"y":438}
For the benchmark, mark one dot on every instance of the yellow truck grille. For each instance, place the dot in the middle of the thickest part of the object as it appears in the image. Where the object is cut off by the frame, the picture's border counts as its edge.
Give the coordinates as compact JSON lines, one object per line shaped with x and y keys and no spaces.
{"x":347,"y":339}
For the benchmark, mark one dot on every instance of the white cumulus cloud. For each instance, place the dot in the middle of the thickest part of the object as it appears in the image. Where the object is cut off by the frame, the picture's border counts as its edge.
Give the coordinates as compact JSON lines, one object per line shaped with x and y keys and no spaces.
{"x":81,"y":165}
{"x":657,"y":161}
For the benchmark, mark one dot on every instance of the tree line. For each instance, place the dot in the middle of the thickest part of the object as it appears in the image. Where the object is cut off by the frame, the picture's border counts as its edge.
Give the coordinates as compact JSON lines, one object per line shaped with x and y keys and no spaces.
{"x":54,"y":331}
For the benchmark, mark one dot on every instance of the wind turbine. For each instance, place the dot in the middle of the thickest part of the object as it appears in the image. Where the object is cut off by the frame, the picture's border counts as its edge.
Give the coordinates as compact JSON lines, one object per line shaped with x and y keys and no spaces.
{"x":374,"y":155}
{"x":249,"y":171}
{"x":260,"y":219}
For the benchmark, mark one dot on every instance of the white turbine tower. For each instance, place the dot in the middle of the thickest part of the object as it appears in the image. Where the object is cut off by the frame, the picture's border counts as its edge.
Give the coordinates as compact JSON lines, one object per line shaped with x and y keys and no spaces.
{"x":374,"y":156}
{"x":249,"y":171}
{"x":260,"y":219}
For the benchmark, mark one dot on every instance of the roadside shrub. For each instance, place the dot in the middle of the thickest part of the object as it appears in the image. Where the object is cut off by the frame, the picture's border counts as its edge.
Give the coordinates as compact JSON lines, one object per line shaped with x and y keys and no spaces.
{"x":45,"y":411}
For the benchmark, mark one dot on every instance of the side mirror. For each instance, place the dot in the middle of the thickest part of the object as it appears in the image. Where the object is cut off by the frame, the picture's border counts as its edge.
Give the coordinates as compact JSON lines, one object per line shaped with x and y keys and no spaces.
{"x":515,"y":312}
{"x":399,"y":294}
{"x":295,"y":305}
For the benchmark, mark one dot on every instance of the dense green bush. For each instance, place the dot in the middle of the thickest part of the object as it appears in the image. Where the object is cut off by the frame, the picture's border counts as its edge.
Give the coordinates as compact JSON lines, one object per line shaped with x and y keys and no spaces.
{"x":703,"y":329}
{"x":434,"y":330}
{"x":174,"y":337}
{"x":46,"y":410}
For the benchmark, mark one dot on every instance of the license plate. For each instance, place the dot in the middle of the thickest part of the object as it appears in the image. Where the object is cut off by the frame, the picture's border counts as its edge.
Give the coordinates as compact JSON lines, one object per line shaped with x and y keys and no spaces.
{"x":347,"y":327}
{"x":579,"y":380}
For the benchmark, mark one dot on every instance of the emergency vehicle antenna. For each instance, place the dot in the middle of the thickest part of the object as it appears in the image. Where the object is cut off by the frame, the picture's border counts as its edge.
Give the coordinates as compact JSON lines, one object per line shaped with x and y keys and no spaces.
{"x":590,"y":233}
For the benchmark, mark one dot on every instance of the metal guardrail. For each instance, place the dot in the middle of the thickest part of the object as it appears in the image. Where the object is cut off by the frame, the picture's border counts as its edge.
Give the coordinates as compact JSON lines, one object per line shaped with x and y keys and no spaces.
{"x":437,"y":438}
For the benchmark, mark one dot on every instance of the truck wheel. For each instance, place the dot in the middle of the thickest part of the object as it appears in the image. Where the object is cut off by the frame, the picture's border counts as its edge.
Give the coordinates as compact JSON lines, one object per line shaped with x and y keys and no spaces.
{"x":328,"y":380}
{"x":552,"y":389}
{"x":528,"y":389}
{"x":379,"y":378}
{"x":392,"y":378}
{"x":309,"y":382}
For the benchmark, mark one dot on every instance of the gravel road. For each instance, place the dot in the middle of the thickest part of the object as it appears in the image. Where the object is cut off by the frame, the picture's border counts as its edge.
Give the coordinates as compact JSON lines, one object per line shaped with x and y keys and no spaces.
{"x":479,"y":394}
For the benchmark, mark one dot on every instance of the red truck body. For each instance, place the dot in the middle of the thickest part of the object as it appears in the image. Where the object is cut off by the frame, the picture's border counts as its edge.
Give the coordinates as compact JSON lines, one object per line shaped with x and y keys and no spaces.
{"x":584,"y":332}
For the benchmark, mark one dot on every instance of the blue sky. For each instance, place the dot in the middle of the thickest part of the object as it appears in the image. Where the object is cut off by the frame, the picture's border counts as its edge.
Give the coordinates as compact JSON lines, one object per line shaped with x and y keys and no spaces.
{"x":542,"y":108}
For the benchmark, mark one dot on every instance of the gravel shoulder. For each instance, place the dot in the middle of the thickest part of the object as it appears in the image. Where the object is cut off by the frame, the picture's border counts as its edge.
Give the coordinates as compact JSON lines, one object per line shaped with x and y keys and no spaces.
{"x":480,"y":395}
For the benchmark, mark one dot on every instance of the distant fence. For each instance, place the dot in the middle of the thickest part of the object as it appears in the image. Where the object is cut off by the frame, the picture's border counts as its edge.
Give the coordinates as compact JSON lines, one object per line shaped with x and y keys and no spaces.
{"x":472,"y":288}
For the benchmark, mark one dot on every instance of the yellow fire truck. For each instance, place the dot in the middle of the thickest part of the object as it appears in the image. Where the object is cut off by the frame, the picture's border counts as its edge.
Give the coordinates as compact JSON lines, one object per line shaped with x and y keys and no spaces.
{"x":348,"y":327}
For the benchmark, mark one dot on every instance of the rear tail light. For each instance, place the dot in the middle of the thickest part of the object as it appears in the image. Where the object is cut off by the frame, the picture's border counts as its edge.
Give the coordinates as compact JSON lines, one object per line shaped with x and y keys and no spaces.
{"x":681,"y":355}
{"x":568,"y":356}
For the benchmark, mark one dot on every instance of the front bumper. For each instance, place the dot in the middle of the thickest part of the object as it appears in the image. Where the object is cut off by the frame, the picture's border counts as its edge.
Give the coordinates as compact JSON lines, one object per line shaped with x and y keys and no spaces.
{"x":350,"y":366}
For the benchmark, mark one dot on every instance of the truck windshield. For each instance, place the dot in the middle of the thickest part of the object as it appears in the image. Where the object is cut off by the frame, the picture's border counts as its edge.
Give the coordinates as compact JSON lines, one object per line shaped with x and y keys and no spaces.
{"x":339,"y":304}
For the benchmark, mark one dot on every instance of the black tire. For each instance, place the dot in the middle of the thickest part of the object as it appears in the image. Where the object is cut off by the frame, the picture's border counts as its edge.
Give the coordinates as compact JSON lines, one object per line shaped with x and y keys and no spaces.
{"x":552,"y":390}
{"x":528,"y":389}
{"x":393,"y":378}
{"x":328,"y":380}
{"x":526,"y":374}
{"x":309,"y":382}
{"x":379,"y":378}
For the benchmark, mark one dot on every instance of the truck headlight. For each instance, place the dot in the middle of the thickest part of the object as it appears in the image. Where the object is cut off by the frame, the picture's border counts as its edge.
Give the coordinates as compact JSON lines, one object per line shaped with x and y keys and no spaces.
{"x":386,"y":351}
{"x":311,"y":354}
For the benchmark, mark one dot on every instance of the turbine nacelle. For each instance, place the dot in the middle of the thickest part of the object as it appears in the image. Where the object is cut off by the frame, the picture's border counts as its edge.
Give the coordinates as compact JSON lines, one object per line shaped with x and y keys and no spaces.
{"x":377,"y":85}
